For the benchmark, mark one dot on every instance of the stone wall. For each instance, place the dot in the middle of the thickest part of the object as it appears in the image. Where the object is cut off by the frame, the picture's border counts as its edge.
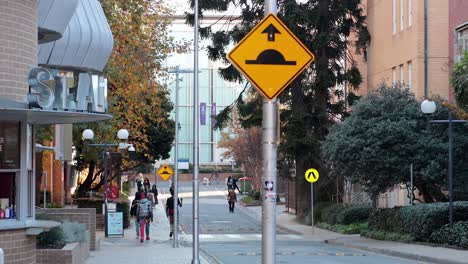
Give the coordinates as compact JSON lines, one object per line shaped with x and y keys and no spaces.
{"x":86,"y":216}
{"x":18,"y":247}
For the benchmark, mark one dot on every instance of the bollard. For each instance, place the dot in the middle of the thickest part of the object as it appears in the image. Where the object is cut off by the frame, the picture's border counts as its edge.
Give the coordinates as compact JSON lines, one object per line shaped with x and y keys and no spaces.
{"x":2,"y":259}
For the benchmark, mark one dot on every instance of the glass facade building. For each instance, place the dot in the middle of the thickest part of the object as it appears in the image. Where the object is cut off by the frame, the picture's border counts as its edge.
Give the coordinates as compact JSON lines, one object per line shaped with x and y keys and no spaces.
{"x":215,"y":95}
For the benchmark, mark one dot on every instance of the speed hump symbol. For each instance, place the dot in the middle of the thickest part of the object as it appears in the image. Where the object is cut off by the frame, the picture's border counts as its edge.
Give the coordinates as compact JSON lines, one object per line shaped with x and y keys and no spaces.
{"x":312,"y":175}
{"x":165,"y":172}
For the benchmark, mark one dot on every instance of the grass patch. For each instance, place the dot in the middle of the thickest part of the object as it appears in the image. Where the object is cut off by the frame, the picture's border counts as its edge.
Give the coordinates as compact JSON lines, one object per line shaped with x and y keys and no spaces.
{"x":355,"y":228}
{"x":249,"y":200}
{"x":389,"y":236}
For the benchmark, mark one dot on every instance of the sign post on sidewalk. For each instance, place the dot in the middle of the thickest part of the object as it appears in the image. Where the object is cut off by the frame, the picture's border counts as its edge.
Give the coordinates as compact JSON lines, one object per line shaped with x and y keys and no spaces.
{"x":270,"y":56}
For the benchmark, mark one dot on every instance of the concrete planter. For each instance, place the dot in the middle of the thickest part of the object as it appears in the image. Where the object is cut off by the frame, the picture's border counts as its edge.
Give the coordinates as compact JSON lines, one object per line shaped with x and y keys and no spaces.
{"x":72,"y":253}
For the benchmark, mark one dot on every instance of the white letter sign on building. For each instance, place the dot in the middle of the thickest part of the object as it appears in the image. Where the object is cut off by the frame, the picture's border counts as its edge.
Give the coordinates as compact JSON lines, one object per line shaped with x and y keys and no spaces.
{"x":270,"y":56}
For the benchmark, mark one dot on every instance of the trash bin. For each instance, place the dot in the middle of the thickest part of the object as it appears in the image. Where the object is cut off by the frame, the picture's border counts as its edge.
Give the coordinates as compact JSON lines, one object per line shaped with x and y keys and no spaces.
{"x":245,"y":184}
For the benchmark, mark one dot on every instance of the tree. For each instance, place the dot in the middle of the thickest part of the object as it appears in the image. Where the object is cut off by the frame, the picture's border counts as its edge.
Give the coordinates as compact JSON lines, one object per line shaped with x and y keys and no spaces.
{"x":137,"y":101}
{"x":244,"y":146}
{"x":327,"y":28}
{"x":460,"y":82}
{"x":387,"y":132}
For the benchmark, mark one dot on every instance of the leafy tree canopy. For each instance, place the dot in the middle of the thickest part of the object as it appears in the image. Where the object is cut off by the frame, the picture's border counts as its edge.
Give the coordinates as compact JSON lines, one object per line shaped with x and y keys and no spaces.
{"x":137,"y":101}
{"x":387,"y":132}
{"x":332,"y":30}
{"x":460,"y":82}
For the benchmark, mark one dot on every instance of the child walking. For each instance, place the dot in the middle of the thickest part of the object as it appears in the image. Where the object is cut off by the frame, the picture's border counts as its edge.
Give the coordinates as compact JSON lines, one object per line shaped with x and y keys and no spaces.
{"x":144,"y":216}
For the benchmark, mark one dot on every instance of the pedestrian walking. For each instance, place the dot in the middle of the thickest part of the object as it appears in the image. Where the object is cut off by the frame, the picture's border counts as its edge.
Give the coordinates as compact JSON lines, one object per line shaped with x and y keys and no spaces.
{"x":154,"y":190}
{"x":234,"y":184}
{"x":170,"y":210}
{"x":133,"y":212}
{"x":145,"y":216}
{"x":230,"y":182}
{"x":139,"y":181}
{"x":232,"y":199}
{"x":146,"y":185}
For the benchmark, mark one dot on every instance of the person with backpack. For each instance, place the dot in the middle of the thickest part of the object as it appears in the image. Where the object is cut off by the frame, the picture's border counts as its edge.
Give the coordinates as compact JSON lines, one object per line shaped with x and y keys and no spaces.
{"x":230,"y":182}
{"x":144,"y":216}
{"x":133,"y":212}
{"x":170,"y":210}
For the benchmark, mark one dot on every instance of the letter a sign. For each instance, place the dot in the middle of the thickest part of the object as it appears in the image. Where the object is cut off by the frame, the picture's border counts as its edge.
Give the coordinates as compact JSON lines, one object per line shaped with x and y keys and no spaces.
{"x":270,"y":56}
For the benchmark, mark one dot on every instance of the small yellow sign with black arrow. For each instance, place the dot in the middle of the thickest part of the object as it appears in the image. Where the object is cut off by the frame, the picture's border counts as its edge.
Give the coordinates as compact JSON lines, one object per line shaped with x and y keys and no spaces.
{"x":165,"y":172}
{"x":312,"y":175}
{"x":270,"y":56}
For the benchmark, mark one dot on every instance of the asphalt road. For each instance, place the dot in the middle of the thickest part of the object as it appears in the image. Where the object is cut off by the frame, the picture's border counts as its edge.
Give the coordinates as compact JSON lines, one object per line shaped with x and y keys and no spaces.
{"x":236,"y":238}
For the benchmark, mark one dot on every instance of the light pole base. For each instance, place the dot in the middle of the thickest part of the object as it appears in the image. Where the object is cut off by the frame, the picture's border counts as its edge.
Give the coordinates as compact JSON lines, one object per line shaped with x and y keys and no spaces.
{"x":195,"y":261}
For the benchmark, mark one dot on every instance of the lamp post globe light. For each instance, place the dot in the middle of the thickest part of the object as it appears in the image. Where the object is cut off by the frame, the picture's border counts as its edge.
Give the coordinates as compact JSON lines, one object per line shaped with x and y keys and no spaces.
{"x":122,"y":135}
{"x":429,"y":107}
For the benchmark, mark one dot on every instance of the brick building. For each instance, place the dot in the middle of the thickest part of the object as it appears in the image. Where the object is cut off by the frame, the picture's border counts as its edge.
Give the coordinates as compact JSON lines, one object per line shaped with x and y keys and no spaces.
{"x":51,"y":56}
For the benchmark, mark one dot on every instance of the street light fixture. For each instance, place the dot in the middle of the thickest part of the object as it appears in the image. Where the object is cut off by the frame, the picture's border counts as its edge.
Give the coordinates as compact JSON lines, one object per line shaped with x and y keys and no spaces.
{"x":122,"y":134}
{"x":429,"y":107}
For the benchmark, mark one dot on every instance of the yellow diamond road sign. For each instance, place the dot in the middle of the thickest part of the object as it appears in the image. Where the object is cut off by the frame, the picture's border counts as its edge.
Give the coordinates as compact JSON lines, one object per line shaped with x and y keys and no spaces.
{"x":165,"y":172}
{"x":270,"y":56}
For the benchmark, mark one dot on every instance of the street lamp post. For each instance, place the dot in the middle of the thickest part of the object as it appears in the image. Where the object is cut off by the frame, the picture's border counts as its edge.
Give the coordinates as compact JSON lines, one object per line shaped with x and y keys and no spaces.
{"x":177,"y":71}
{"x":429,"y":107}
{"x":122,"y":134}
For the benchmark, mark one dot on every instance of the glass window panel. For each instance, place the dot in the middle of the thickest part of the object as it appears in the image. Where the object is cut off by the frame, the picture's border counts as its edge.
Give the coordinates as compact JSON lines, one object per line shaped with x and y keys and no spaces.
{"x":9,"y":145}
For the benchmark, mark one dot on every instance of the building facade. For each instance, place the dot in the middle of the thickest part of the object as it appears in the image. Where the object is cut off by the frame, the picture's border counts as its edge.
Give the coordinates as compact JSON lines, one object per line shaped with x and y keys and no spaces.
{"x":51,"y":56}
{"x":215,"y":95}
{"x":409,"y":45}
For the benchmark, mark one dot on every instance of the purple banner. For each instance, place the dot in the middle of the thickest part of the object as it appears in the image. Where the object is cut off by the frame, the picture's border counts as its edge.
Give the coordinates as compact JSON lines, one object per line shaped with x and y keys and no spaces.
{"x":213,"y":114}
{"x":202,"y":114}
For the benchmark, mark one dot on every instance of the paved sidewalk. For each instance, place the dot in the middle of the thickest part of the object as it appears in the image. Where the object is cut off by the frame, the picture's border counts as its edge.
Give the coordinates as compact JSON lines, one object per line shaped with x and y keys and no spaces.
{"x":129,"y":249}
{"x":403,"y":250}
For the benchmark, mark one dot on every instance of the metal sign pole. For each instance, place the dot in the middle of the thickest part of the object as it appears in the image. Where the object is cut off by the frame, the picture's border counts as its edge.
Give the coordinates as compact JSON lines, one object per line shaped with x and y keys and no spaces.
{"x":195,"y":228}
{"x":176,"y":165}
{"x":312,"y":205}
{"x":269,"y":169}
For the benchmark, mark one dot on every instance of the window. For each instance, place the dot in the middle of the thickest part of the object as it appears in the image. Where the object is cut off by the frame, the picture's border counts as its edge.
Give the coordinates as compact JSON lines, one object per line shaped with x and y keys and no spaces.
{"x":9,"y":145}
{"x":394,"y":80}
{"x":402,"y":14}
{"x":7,"y":195}
{"x":461,"y":43}
{"x":394,"y":16}
{"x":410,"y":13}
{"x":402,"y":75}
{"x":410,"y":75}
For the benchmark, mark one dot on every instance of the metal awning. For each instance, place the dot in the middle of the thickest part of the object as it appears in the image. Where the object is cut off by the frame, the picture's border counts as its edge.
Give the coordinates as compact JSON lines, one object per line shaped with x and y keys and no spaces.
{"x":37,"y":116}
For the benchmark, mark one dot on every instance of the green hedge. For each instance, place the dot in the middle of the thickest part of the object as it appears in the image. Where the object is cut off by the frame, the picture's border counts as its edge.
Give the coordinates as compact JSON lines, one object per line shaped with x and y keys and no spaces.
{"x":386,"y":219}
{"x":354,"y":214}
{"x":458,"y":235}
{"x":123,"y":205}
{"x":330,"y":214}
{"x":420,"y":220}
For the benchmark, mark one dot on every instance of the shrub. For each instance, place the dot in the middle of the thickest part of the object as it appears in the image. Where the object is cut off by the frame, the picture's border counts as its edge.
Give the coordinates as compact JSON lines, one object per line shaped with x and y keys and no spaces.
{"x":344,"y":229}
{"x":389,"y":236}
{"x":422,"y":220}
{"x":255,"y":194}
{"x":74,"y":232}
{"x":419,"y":220}
{"x":386,"y":219}
{"x":354,"y":214}
{"x":54,"y":238}
{"x":457,"y":235}
{"x":329,"y":215}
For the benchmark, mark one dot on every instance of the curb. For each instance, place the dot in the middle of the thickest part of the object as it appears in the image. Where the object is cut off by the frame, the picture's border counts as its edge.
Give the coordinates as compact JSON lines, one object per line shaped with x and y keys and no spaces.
{"x":393,"y":253}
